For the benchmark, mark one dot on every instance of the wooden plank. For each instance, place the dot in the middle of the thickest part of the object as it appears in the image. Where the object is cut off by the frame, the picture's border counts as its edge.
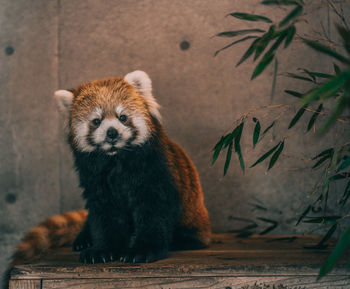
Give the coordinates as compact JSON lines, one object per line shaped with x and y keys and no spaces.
{"x":25,"y":284}
{"x":227,"y":256}
{"x":282,"y":282}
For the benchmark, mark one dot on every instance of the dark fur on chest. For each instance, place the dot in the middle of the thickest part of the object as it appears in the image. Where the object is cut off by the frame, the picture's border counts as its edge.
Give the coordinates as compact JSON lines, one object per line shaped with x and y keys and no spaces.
{"x":132,"y":201}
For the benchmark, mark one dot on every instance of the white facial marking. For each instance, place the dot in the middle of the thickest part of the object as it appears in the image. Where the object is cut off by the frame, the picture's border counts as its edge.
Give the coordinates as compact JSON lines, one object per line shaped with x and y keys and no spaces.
{"x":119,"y":109}
{"x":142,"y":128}
{"x":96,"y":113}
{"x":81,"y":130}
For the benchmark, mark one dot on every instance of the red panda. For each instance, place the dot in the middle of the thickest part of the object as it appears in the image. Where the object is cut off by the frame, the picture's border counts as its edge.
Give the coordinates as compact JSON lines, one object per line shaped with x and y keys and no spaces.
{"x":143,"y":194}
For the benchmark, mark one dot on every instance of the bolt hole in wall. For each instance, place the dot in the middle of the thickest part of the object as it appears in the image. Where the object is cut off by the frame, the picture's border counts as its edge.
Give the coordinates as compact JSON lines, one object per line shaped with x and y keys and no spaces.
{"x":9,"y":50}
{"x":11,"y":198}
{"x":184,"y":45}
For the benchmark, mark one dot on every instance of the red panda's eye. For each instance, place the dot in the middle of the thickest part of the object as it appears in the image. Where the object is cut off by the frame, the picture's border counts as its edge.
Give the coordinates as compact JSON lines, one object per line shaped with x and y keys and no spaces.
{"x":123,"y":118}
{"x":96,"y":121}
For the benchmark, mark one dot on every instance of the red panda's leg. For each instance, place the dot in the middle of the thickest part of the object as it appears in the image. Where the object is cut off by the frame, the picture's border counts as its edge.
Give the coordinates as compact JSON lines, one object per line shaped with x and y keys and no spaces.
{"x":83,"y":240}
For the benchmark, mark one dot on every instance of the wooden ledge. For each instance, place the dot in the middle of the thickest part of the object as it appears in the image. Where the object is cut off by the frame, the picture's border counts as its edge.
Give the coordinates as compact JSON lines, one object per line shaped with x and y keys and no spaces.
{"x":230,"y":262}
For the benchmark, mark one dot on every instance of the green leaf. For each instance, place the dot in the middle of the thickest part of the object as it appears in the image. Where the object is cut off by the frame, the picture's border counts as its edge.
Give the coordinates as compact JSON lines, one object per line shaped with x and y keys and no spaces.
{"x":328,"y":235}
{"x":269,"y":55}
{"x":256,"y":133}
{"x":290,"y":35}
{"x":281,"y":2}
{"x":320,"y":162}
{"x":240,"y":156}
{"x":238,"y":32}
{"x":328,"y":152}
{"x":274,"y":80}
{"x":327,"y":89}
{"x":345,"y":34}
{"x":266,"y":155}
{"x":250,"y":17}
{"x":323,"y":220}
{"x":294,"y":93}
{"x":335,"y":114}
{"x":292,"y":15}
{"x":233,"y":43}
{"x":344,"y":164}
{"x":339,"y":176}
{"x":269,"y":127}
{"x":262,"y":65}
{"x":297,"y":116}
{"x":324,"y":49}
{"x":296,"y":76}
{"x":339,"y":250}
{"x":336,"y":69}
{"x":314,"y":117}
{"x":249,"y":52}
{"x":325,"y":188}
{"x":228,"y":158}
{"x":217,"y":149}
{"x":238,"y":146}
{"x":275,"y":156}
{"x":304,"y":214}
{"x":346,"y":195}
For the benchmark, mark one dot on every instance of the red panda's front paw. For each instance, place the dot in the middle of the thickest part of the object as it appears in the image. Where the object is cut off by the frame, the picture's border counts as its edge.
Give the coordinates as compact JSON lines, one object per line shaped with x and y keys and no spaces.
{"x":93,"y":256}
{"x":81,"y":242}
{"x":145,"y":256}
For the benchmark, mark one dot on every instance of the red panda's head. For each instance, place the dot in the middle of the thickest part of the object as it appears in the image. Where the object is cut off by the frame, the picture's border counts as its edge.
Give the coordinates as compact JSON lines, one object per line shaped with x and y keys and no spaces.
{"x":110,"y":114}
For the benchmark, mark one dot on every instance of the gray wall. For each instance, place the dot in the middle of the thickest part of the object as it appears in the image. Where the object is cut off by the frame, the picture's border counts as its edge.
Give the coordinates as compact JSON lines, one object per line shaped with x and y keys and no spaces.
{"x":47,"y":45}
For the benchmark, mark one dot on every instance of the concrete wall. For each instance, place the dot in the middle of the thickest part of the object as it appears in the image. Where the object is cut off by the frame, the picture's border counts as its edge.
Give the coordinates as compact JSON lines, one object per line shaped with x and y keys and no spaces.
{"x":47,"y":45}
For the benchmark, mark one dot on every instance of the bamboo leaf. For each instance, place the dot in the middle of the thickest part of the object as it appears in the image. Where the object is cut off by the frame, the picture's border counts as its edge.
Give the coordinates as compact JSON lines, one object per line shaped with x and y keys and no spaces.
{"x":327,"y":89}
{"x":256,"y":133}
{"x":297,"y":116}
{"x":328,"y":152}
{"x":304,"y":214}
{"x":217,"y":149}
{"x":339,"y":250}
{"x":314,"y":117}
{"x":290,"y":35}
{"x":274,"y":80}
{"x":276,"y":155}
{"x":339,"y":176}
{"x":262,"y":65}
{"x":335,"y":114}
{"x":336,"y":69}
{"x":269,"y":127}
{"x":294,"y":93}
{"x":344,"y":164}
{"x":233,"y":43}
{"x":228,"y":158}
{"x":270,"y":228}
{"x":323,"y":220}
{"x":240,"y":156}
{"x":249,"y":52}
{"x":238,"y":146}
{"x":320,"y":162}
{"x":346,"y":195}
{"x":324,"y":49}
{"x":292,"y":15}
{"x":345,"y":34}
{"x":296,"y":76}
{"x":266,"y":155}
{"x":250,"y":17}
{"x":238,"y":32}
{"x":328,"y":235}
{"x":281,"y":2}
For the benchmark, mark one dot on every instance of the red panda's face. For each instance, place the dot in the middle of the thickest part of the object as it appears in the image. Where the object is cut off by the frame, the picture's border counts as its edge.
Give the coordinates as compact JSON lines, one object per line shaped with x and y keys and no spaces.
{"x":112,"y":114}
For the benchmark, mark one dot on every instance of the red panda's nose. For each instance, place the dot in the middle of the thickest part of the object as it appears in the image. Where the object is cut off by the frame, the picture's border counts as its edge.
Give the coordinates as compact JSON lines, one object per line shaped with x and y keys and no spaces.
{"x":112,"y":133}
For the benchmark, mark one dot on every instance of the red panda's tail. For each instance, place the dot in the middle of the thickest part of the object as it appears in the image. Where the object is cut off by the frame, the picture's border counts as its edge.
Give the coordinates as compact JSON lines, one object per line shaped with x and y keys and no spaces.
{"x":56,"y":231}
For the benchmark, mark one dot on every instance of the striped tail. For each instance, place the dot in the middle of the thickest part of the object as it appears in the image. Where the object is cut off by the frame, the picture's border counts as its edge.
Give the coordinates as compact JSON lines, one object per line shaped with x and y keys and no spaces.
{"x":56,"y":231}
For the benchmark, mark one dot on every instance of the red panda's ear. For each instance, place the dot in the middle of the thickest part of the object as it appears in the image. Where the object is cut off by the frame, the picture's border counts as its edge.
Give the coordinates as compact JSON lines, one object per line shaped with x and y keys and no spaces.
{"x":143,"y":85}
{"x":64,"y":99}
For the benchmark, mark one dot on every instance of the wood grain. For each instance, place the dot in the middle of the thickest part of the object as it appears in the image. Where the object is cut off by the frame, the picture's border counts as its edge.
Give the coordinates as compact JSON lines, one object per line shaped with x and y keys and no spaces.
{"x":228,"y":262}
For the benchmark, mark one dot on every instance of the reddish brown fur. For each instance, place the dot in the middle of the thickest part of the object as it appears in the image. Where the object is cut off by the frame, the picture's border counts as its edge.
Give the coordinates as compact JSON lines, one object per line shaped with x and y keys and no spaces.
{"x":61,"y":230}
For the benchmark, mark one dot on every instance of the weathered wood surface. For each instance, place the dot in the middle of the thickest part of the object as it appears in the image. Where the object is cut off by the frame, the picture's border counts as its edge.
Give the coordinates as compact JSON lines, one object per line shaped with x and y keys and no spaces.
{"x":228,"y":262}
